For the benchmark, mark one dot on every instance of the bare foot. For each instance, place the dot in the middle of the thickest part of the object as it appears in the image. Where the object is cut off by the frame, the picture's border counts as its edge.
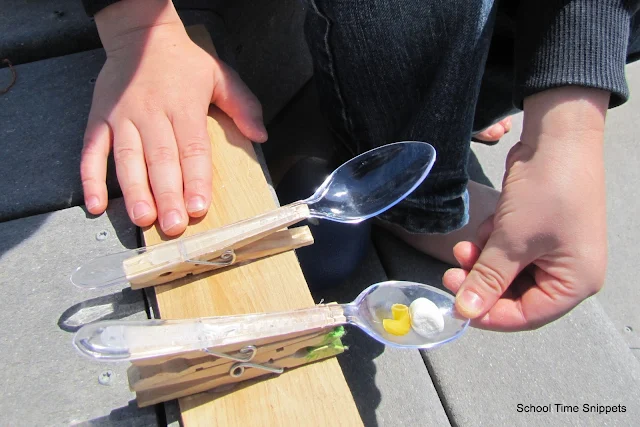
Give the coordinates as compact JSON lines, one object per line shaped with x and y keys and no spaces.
{"x":482,"y":204}
{"x":494,"y":132}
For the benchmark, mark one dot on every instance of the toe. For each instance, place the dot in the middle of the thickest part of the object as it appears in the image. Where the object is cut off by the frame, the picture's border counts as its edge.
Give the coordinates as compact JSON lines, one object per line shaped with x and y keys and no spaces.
{"x":492,"y":133}
{"x":506,"y":124}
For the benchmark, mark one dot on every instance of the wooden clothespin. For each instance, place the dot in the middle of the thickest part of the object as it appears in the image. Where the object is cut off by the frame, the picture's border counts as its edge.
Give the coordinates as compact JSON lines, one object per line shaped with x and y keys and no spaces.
{"x":199,"y":372}
{"x":246,"y":347}
{"x":244,"y":241}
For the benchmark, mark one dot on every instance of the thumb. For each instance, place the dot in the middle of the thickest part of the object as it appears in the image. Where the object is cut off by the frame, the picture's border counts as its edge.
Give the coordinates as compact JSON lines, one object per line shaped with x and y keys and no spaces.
{"x":233,"y":97}
{"x":490,"y":276}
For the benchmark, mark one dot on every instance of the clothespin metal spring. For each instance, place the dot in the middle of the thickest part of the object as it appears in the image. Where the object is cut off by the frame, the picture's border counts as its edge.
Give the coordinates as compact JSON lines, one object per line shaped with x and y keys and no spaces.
{"x":227,"y":258}
{"x":237,"y":369}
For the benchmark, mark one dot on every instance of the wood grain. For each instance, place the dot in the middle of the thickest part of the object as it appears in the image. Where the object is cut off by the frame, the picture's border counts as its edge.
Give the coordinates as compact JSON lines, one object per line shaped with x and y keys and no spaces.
{"x":314,"y":394}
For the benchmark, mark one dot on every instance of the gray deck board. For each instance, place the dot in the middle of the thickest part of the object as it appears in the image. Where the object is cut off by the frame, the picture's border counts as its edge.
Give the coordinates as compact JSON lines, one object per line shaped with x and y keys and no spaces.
{"x":44,"y":380}
{"x":42,"y":122}
{"x":34,"y":30}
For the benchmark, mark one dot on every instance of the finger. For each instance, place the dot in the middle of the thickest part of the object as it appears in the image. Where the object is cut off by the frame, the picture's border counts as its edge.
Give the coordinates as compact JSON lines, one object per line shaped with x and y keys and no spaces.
{"x":453,"y":278}
{"x":165,"y":175}
{"x":93,"y":165}
{"x":533,"y":308}
{"x":490,"y":276}
{"x":484,"y":232}
{"x":194,"y":150}
{"x":233,"y":97}
{"x":466,"y":253}
{"x":132,"y":174}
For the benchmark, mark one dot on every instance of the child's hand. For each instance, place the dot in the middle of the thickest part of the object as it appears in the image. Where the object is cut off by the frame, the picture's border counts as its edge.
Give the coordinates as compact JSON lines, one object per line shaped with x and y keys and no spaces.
{"x":151,"y":101}
{"x":544,"y":251}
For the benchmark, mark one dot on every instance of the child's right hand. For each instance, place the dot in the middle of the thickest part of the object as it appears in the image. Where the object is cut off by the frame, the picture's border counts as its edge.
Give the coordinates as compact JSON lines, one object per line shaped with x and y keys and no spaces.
{"x":150,"y":102}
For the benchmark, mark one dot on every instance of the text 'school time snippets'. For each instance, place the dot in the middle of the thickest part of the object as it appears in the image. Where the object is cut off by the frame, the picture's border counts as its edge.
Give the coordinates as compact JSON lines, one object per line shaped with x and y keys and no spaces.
{"x":561,"y":408}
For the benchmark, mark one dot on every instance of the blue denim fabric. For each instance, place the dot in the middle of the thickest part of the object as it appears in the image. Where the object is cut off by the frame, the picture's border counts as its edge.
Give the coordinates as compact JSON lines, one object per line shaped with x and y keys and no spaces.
{"x":397,"y":70}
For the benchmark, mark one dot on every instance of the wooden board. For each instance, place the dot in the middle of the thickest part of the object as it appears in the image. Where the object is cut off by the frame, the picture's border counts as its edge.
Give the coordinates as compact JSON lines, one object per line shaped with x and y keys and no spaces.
{"x":315,"y":394}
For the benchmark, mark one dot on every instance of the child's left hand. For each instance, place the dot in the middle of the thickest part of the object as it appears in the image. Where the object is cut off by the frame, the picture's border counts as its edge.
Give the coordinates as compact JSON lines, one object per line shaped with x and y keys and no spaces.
{"x":150,"y":106}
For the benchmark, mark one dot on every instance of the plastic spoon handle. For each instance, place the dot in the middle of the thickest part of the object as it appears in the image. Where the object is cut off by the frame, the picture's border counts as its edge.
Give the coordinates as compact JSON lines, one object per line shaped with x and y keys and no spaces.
{"x":127,"y":340}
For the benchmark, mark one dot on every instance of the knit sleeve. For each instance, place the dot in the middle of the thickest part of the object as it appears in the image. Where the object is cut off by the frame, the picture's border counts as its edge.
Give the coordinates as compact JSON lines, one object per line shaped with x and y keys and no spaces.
{"x":91,"y":7}
{"x":572,"y":42}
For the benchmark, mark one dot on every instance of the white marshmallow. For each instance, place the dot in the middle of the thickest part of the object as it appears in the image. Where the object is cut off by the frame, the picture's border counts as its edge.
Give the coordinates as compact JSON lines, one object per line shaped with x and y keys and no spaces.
{"x":426,"y":319}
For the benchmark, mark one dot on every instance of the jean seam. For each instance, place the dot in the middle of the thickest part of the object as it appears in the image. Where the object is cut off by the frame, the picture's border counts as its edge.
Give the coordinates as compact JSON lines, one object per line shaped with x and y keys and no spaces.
{"x":332,"y":72}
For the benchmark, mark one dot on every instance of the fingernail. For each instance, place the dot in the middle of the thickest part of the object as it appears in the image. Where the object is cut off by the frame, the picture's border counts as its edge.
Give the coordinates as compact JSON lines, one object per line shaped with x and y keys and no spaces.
{"x":469,"y":303}
{"x":195,"y":204}
{"x":262,"y":135}
{"x":262,"y":130}
{"x":171,"y":219}
{"x":141,"y":209}
{"x":92,"y":202}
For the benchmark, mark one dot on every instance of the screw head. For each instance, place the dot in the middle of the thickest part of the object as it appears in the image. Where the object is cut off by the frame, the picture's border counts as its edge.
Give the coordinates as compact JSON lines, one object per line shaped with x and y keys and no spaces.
{"x":105,"y":377}
{"x":102,"y":235}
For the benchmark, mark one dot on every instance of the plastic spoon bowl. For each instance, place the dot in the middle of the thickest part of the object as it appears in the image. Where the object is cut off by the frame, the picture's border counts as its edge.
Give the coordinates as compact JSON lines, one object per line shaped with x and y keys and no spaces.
{"x":373,"y":305}
{"x":133,"y":340}
{"x":372,"y":182}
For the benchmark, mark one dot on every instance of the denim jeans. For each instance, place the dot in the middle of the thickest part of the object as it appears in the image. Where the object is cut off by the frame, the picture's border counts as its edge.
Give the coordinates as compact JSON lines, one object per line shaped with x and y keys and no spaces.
{"x":396,"y":70}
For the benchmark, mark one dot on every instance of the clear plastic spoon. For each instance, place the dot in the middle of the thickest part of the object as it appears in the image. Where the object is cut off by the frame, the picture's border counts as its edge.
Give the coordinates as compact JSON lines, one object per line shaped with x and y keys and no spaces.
{"x":135,"y":340}
{"x":372,"y":182}
{"x":360,"y":189}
